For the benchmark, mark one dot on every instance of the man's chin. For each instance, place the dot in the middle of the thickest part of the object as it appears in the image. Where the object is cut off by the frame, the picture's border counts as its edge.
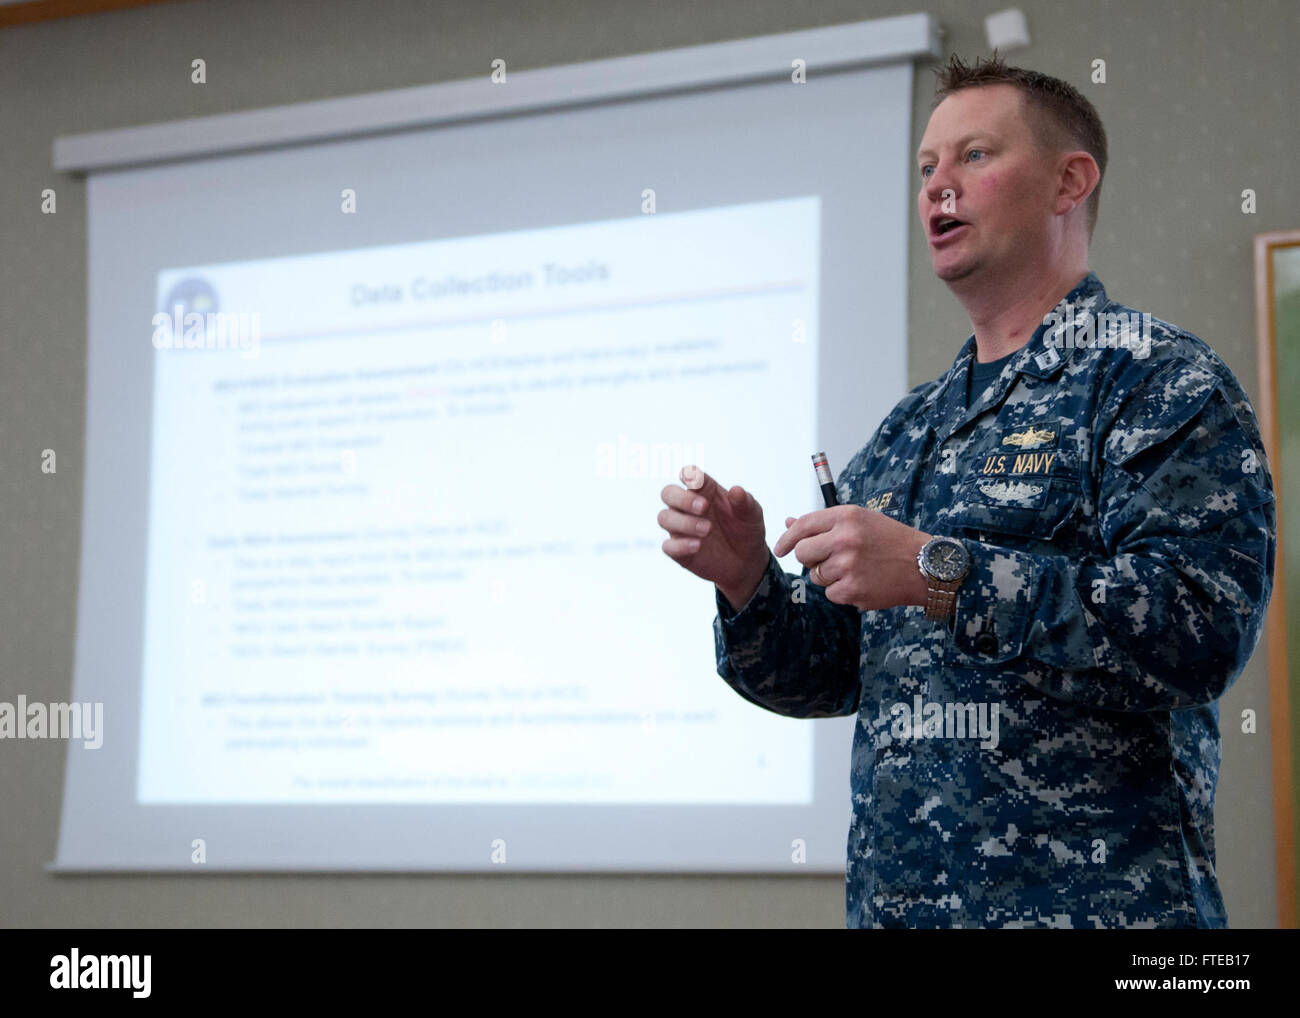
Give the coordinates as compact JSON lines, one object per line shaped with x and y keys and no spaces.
{"x":950,"y":272}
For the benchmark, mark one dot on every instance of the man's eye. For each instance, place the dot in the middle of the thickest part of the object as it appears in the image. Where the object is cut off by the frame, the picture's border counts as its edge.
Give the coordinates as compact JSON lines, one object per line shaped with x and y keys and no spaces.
{"x":972,"y":152}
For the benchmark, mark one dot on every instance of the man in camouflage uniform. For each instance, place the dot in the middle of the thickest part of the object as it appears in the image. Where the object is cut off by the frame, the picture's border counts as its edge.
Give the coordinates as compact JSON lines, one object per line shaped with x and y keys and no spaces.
{"x":1037,"y":741}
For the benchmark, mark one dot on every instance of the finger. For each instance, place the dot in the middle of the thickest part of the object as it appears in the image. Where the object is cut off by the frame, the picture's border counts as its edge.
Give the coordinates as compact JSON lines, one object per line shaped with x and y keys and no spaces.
{"x":741,"y":502}
{"x":679,"y":548}
{"x":684,"y":501}
{"x":683,"y":524}
{"x":812,"y":550}
{"x":805,"y":526}
{"x":789,"y":521}
{"x":837,"y":592}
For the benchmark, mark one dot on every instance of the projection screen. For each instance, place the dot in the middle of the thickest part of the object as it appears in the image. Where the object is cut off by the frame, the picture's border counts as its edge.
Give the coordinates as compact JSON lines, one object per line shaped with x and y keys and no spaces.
{"x":381,"y":395}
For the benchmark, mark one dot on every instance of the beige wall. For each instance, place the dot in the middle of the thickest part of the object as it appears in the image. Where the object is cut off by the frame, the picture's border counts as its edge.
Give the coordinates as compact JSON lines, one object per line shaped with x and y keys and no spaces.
{"x":1198,"y":104}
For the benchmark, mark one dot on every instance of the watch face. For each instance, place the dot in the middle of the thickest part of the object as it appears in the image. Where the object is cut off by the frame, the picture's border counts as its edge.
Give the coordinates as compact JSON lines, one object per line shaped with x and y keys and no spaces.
{"x":946,"y":559}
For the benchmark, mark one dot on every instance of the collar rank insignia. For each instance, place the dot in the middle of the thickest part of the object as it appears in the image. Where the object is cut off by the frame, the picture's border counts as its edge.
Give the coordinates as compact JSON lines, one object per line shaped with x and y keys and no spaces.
{"x":1047,"y":359}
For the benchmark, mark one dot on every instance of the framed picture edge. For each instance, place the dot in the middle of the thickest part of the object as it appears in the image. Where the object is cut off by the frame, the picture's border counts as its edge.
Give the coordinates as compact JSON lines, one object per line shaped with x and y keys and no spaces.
{"x":1275,"y":626}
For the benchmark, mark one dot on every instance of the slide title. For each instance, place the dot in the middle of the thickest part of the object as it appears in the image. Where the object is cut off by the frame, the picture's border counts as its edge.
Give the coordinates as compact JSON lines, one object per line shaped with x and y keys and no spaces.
{"x":422,"y":288}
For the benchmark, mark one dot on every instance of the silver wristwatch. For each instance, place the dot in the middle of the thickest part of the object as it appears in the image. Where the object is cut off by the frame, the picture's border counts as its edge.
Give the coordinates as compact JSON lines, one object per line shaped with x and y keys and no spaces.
{"x":944,"y":562}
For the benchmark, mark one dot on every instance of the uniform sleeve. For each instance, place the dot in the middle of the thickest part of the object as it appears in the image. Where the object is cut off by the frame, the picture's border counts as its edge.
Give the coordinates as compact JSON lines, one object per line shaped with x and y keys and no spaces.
{"x":1169,"y":615}
{"x":789,"y":649}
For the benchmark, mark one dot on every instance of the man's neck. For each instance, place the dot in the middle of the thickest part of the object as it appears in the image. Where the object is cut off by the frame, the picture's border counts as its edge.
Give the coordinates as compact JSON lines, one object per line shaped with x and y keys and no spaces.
{"x":1005,"y":320}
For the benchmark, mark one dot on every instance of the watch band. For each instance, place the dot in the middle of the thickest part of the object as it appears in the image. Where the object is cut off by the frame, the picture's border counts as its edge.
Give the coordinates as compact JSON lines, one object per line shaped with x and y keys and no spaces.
{"x":940,"y":598}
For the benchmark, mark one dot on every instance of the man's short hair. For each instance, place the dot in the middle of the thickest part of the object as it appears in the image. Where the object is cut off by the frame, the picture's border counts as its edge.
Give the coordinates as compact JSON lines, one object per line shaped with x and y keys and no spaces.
{"x":1060,"y":117}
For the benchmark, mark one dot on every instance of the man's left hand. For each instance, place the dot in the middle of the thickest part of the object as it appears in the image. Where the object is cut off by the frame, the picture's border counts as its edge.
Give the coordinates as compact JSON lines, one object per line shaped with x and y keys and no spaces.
{"x":860,"y":557}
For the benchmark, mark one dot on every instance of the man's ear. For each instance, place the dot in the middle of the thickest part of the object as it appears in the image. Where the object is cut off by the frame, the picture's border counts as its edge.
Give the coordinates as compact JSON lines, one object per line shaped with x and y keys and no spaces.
{"x":1079,"y":176}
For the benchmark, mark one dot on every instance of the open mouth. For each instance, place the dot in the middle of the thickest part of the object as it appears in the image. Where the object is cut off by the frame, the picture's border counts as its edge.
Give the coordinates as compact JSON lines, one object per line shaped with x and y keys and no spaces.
{"x":946,"y":229}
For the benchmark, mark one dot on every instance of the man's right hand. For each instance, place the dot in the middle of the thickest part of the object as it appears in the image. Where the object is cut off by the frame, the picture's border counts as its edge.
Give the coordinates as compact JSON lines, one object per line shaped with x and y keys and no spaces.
{"x":717,"y":534}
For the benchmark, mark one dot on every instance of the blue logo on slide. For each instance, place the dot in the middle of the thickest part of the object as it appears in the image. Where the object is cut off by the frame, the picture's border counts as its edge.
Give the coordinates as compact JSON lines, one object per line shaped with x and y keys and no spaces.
{"x":194,"y":294}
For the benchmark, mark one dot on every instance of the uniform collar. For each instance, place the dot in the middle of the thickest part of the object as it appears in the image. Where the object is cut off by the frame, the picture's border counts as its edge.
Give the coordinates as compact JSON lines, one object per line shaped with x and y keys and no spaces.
{"x":1042,"y":357}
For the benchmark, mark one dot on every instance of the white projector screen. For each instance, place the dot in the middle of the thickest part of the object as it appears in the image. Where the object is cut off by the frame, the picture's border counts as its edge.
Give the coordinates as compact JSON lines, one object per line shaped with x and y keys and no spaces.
{"x":379,"y":584}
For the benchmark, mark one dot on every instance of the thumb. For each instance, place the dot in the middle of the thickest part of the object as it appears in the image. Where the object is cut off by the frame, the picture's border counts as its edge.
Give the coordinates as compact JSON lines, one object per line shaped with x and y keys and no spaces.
{"x":697,"y":481}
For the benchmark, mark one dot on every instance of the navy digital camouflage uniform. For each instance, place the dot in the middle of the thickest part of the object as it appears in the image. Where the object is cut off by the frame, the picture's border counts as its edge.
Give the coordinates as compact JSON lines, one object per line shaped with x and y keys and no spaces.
{"x":1119,"y":513}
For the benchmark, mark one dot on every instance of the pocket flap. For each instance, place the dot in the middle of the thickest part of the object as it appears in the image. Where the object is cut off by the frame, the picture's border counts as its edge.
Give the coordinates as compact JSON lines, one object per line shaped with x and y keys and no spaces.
{"x":1161,"y":405}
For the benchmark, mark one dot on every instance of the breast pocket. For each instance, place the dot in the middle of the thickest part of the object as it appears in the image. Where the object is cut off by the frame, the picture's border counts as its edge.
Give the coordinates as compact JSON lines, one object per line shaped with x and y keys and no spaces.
{"x":1028,"y":506}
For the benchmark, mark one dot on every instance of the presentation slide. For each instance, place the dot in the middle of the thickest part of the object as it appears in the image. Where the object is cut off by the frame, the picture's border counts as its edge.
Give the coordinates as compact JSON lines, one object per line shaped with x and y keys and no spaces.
{"x":402,"y":542}
{"x":377,"y":427}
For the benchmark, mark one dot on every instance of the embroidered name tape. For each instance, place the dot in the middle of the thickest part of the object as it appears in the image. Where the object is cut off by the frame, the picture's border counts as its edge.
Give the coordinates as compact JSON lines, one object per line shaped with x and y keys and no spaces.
{"x":883,"y":502}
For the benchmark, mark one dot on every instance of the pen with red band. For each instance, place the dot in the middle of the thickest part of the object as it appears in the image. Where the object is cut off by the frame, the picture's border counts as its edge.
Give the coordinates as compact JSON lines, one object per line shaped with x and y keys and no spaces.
{"x":823,"y":469}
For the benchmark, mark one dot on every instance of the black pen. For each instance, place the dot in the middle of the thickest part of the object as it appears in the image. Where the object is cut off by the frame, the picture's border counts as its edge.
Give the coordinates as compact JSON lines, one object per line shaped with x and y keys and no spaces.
{"x":822,"y":468}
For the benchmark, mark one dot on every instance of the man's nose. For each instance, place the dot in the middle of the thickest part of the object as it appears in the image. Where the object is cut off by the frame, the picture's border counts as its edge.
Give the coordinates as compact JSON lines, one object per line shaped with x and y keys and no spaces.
{"x":937,"y":183}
